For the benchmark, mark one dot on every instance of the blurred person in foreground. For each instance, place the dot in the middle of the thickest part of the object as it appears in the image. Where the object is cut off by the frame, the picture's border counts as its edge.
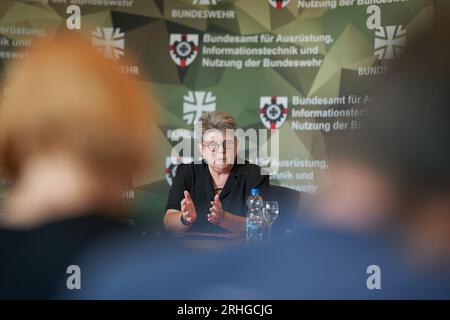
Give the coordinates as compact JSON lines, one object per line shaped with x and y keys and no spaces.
{"x":73,"y":134}
{"x":389,"y":211}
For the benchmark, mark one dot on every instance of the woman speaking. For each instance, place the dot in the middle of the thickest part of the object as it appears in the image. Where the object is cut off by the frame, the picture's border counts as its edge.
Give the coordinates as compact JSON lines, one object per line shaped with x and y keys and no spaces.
{"x":211,"y":196}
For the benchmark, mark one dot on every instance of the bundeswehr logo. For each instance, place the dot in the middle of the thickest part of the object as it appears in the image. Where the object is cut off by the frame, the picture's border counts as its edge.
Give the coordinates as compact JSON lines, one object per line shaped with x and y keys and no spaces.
{"x":273,"y":111}
{"x":183,"y":48}
{"x":205,"y":2}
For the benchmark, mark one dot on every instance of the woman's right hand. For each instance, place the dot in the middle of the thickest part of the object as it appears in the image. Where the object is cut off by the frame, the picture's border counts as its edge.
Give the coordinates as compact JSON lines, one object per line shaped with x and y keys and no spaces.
{"x":188,"y":208}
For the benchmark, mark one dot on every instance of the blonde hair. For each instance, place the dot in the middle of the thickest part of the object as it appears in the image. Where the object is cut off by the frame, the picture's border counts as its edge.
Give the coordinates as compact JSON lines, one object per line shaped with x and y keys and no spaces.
{"x":65,"y":96}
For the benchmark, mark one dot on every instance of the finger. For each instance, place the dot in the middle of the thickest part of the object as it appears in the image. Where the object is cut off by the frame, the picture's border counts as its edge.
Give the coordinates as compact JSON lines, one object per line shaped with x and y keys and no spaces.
{"x":216,"y":205}
{"x":183,"y":202}
{"x":188,"y":211}
{"x":215,"y":216}
{"x":187,"y":196}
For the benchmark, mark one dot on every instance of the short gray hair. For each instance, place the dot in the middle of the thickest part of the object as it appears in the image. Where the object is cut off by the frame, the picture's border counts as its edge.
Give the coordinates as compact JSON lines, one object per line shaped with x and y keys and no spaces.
{"x":217,"y":120}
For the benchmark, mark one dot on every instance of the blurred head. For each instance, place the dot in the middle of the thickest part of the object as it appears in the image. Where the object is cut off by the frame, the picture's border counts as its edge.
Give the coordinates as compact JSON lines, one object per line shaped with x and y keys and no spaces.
{"x":65,"y":100}
{"x":218,"y":143}
{"x":355,"y":197}
{"x":406,"y":137}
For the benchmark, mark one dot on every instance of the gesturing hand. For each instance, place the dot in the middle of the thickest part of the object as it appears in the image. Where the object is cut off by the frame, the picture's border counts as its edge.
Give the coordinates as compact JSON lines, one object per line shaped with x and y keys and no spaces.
{"x":188,"y":208}
{"x":217,"y":214}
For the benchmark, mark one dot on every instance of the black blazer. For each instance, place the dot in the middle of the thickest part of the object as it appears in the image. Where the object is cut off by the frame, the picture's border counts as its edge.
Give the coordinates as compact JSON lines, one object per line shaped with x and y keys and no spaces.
{"x":196,"y":179}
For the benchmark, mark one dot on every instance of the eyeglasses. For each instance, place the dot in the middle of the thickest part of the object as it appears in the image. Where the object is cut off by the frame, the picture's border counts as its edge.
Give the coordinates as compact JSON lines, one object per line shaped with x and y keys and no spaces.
{"x":213,"y":146}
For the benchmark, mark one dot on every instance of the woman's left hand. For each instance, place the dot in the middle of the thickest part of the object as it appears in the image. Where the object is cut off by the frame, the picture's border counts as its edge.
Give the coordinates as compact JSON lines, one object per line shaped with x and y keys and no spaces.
{"x":216,"y":212}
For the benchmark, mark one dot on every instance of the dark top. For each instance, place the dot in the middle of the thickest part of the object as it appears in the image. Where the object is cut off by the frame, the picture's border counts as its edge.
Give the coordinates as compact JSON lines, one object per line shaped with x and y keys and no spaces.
{"x":33,"y":263}
{"x":197,"y":179}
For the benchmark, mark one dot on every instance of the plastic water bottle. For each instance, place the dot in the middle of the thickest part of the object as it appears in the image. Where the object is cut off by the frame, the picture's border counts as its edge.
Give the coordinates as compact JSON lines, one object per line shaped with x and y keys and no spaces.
{"x":255,"y":219}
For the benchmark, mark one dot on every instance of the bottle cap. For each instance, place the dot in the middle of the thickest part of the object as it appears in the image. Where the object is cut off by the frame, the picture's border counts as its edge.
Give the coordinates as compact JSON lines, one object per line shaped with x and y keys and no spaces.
{"x":254,"y":191}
